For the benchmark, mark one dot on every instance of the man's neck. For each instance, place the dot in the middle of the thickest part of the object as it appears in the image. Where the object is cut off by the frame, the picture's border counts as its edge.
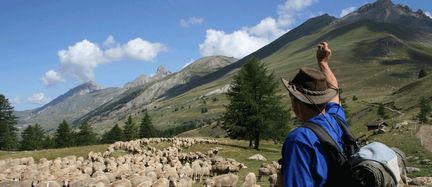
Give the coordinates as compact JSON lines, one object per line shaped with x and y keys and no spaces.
{"x":308,"y":114}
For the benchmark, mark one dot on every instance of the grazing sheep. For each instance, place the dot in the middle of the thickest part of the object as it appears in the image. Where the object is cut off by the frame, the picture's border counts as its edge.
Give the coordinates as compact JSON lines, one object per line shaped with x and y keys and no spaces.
{"x":273,"y":180}
{"x":229,"y":180}
{"x":161,"y":182}
{"x":136,"y":180}
{"x":184,"y":182}
{"x":250,"y":180}
{"x":47,"y":184}
{"x":266,"y":170}
{"x":121,"y":183}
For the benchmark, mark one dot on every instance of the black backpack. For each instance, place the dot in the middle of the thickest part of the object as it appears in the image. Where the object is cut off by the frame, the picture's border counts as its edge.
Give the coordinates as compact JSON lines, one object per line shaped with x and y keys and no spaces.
{"x":346,"y":170}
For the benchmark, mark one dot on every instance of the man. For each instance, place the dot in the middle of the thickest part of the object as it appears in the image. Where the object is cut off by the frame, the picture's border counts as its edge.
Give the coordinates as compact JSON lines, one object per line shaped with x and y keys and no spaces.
{"x":315,"y":98}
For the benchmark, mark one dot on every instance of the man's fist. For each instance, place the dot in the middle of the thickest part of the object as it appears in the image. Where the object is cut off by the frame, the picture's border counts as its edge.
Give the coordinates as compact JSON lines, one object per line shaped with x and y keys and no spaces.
{"x":323,"y":52}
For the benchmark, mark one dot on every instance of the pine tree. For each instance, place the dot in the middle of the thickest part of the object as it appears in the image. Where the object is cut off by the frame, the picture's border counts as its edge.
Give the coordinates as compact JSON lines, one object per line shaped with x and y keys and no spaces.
{"x":49,"y":142}
{"x":113,"y":135}
{"x":146,"y":129}
{"x":63,"y":136}
{"x":8,"y":131}
{"x":32,"y":138}
{"x":422,"y":73}
{"x":425,"y":110}
{"x":130,"y":130}
{"x":86,"y":136}
{"x":254,"y":111}
{"x":381,"y":112}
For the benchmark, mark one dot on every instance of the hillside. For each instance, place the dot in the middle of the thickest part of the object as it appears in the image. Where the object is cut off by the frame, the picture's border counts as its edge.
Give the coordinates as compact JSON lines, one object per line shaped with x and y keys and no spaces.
{"x":69,"y":106}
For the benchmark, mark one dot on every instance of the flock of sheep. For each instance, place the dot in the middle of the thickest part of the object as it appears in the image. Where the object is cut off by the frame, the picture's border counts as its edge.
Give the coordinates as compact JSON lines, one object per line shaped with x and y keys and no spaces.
{"x":142,"y":166}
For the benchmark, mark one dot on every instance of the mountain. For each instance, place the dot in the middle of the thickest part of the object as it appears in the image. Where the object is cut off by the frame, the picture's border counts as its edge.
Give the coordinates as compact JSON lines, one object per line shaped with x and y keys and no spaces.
{"x":161,"y":72}
{"x":136,"y":99}
{"x":69,"y":106}
{"x":386,"y":12}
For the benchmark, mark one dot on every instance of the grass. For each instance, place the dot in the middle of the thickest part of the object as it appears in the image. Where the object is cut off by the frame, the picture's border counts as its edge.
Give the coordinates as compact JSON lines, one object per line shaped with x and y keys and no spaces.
{"x":54,"y":153}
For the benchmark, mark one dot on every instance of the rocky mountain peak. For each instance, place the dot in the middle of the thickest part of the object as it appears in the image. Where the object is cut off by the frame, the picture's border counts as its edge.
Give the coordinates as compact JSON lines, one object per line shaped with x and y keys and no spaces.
{"x":386,"y":11}
{"x":161,"y":72}
{"x":84,"y":88}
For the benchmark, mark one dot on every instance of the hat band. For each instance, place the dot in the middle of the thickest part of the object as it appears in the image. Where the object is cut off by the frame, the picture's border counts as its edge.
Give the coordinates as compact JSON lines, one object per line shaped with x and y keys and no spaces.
{"x":310,"y":92}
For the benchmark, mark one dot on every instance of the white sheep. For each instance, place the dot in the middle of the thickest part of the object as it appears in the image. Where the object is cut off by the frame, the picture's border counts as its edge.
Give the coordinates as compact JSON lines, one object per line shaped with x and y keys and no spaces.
{"x":228,"y":180}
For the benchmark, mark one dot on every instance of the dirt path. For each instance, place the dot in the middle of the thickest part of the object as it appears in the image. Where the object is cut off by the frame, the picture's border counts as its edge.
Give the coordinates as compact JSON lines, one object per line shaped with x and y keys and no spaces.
{"x":424,"y":135}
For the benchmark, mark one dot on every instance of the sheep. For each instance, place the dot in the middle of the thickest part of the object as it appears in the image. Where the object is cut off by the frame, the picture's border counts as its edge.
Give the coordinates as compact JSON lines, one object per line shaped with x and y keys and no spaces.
{"x":121,"y":183}
{"x":161,"y":182}
{"x":47,"y":184}
{"x":184,"y":182}
{"x":250,"y":180}
{"x":273,"y":180}
{"x":266,"y":170}
{"x":136,"y":180}
{"x":222,"y":180}
{"x":145,"y":184}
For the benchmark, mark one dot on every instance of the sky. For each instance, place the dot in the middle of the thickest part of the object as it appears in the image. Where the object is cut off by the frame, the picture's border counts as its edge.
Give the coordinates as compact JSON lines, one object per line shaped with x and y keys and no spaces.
{"x":50,"y":46}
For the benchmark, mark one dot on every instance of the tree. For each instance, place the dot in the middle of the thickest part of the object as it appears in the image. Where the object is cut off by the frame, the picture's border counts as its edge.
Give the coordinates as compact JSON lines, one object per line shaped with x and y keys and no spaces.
{"x":32,"y":138}
{"x":85,"y":136}
{"x":113,"y":135}
{"x":254,"y":111}
{"x":381,"y":112}
{"x":147,"y":129}
{"x":49,"y":142}
{"x":422,"y":73}
{"x":8,"y":131}
{"x":130,"y":130}
{"x":425,"y":110}
{"x":63,"y":136}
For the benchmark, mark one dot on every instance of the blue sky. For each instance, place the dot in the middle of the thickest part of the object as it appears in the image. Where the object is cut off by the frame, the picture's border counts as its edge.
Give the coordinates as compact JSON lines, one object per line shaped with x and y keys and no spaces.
{"x":50,"y":46}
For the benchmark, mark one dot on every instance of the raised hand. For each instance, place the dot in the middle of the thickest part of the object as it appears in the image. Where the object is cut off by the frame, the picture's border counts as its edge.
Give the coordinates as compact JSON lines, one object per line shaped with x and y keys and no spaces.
{"x":323,"y":52}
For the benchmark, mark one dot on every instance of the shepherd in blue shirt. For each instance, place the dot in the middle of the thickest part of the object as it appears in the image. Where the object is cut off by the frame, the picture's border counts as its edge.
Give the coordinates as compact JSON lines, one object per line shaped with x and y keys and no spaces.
{"x":315,"y":98}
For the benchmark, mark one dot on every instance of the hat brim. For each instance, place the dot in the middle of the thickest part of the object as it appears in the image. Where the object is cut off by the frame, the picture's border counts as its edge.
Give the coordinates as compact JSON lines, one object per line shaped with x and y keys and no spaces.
{"x":328,"y":95}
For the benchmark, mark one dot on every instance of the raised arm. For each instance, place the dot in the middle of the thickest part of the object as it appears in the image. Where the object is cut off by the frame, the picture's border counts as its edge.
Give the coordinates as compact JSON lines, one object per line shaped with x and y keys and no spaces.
{"x":323,"y":55}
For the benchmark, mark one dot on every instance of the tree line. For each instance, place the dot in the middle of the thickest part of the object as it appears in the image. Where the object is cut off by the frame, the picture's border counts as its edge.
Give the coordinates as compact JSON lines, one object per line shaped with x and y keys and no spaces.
{"x":34,"y":137}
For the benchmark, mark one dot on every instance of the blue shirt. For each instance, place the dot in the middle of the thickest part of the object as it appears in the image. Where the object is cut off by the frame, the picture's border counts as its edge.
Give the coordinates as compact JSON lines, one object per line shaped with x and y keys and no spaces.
{"x":304,"y":161}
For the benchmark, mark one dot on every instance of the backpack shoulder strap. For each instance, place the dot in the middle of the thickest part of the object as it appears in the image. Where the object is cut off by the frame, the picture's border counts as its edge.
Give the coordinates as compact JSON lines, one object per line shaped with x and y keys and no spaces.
{"x":336,"y":159}
{"x":350,"y":141}
{"x":323,"y":136}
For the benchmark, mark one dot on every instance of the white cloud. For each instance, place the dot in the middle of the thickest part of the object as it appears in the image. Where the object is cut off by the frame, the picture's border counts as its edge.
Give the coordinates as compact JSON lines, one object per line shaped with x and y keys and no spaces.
{"x":237,"y":44}
{"x":287,"y":12}
{"x":38,"y":98}
{"x":81,"y":59}
{"x":136,"y":49}
{"x":15,"y":101}
{"x":191,"y":21}
{"x":428,"y":14}
{"x":249,"y":39}
{"x":51,"y":77}
{"x":346,"y":11}
{"x":188,"y":63}
{"x":109,"y":42}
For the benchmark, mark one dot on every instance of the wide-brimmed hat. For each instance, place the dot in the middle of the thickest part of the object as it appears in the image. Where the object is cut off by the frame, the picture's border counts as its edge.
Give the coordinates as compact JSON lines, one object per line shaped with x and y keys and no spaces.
{"x":310,"y":86}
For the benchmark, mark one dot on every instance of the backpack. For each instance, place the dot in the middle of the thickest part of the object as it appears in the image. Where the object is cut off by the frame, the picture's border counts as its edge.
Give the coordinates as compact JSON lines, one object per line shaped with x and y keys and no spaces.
{"x":371,"y":165}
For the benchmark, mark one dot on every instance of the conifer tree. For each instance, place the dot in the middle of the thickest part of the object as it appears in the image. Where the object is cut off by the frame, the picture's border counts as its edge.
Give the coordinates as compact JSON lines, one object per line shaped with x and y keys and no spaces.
{"x":147,"y":129}
{"x":113,"y":135}
{"x":130,"y":130}
{"x":63,"y":136}
{"x":85,"y":136}
{"x":255,"y":111}
{"x":32,"y":138}
{"x":425,"y":110}
{"x":381,"y":112}
{"x":8,"y":131}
